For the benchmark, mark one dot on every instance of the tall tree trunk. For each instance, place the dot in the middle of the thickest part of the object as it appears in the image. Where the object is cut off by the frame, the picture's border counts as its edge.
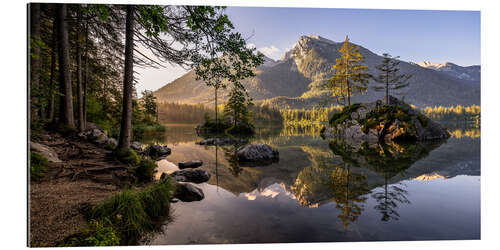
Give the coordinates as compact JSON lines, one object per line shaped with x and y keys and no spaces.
{"x":35,"y":58}
{"x":66,"y":91}
{"x":86,"y":77}
{"x":53,"y":58}
{"x":81,"y":122}
{"x":216,"y":112}
{"x":128,"y":81}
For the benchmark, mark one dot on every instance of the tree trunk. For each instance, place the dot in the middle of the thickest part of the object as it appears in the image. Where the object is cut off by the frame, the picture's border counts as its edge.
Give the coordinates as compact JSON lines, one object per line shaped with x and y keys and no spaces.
{"x":66,"y":103}
{"x":35,"y":59}
{"x":53,"y":58}
{"x":128,"y":81}
{"x":81,"y":122}
{"x":216,"y":111}
{"x":86,"y":77}
{"x":348,"y":93}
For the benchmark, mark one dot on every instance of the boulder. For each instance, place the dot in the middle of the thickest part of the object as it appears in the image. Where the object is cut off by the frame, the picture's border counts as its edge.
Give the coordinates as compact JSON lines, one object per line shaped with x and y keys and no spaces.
{"x":157,"y":151}
{"x":256,"y":152}
{"x":191,"y":175}
{"x":111,"y":142}
{"x":190,"y":164}
{"x":45,"y":151}
{"x":137,"y":146}
{"x":188,"y":192}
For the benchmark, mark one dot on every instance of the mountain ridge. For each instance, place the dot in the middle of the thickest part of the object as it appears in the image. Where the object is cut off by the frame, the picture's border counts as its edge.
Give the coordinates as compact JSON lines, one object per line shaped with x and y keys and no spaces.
{"x":294,"y":80}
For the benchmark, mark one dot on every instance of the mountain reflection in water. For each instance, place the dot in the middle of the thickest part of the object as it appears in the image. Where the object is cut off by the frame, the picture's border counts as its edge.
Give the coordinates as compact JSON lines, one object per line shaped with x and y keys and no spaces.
{"x":328,"y":191}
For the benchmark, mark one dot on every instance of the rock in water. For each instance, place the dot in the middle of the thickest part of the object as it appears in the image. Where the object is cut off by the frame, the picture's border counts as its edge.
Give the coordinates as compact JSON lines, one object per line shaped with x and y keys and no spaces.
{"x":191,"y":175}
{"x":256,"y":152}
{"x":188,"y":192}
{"x":45,"y":151}
{"x":158,"y":151}
{"x":190,"y":164}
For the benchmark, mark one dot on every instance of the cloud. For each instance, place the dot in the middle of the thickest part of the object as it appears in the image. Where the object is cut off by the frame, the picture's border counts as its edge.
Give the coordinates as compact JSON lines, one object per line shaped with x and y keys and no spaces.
{"x":271,"y":52}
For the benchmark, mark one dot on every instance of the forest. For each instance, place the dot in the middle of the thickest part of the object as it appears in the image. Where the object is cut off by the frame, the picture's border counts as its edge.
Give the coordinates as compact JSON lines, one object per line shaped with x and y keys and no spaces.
{"x":82,"y":89}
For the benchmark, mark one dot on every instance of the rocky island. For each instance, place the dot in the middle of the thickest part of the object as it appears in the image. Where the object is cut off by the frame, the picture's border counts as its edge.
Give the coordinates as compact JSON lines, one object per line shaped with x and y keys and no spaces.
{"x":374,"y":122}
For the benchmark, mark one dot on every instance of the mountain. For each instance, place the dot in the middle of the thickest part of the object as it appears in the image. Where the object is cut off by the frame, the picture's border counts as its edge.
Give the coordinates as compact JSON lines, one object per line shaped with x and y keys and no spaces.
{"x":293,"y":81}
{"x":469,"y":73}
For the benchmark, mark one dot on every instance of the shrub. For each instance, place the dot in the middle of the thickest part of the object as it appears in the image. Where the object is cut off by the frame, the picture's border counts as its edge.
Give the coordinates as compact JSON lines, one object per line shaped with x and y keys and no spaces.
{"x":99,"y":233}
{"x":38,"y":166}
{"x":145,"y":170}
{"x":127,"y":156}
{"x":345,"y":114}
{"x":132,"y":213}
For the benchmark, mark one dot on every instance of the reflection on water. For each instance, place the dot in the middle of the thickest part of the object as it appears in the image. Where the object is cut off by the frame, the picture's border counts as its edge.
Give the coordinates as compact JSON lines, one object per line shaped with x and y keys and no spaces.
{"x":328,"y":191}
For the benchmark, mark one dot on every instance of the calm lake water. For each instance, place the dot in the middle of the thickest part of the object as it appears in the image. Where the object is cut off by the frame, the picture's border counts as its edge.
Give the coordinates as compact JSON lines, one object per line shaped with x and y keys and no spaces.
{"x":319,"y":193}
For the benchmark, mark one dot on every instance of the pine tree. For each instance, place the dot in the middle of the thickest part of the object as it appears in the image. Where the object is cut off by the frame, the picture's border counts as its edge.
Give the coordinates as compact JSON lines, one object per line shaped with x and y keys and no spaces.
{"x":388,"y":79}
{"x":237,"y":106}
{"x":350,"y":74}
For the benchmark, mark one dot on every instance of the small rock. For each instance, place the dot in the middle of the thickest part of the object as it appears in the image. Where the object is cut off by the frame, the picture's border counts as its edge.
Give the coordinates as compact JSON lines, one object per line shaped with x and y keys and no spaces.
{"x":190,"y":164}
{"x":174,"y":200}
{"x":256,"y":152}
{"x":188,"y":192}
{"x":96,"y":134}
{"x":137,"y":146}
{"x":191,"y":175}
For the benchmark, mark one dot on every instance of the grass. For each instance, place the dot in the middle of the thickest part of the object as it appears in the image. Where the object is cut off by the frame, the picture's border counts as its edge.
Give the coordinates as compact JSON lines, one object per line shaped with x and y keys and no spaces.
{"x":126,"y":217}
{"x":145,"y":170}
{"x":38,"y":166}
{"x":127,"y":156}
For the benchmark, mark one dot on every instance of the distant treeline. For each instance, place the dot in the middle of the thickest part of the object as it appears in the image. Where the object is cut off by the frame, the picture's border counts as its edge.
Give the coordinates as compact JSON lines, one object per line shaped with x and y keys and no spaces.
{"x":182,"y":113}
{"x":195,"y":113}
{"x":308,"y":116}
{"x":457,"y":113}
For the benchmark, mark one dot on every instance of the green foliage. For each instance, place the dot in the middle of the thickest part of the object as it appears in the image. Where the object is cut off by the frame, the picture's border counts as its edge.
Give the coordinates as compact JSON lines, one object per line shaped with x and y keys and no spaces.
{"x":237,"y":108}
{"x":340,"y":117}
{"x":145,"y":170}
{"x":127,"y":156}
{"x":350,"y":74}
{"x":133,"y":213}
{"x":99,"y":233}
{"x":149,"y":103}
{"x":38,"y":166}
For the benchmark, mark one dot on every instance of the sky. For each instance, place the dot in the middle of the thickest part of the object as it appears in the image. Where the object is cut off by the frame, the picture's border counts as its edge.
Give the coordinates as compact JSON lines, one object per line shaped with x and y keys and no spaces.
{"x":414,"y":35}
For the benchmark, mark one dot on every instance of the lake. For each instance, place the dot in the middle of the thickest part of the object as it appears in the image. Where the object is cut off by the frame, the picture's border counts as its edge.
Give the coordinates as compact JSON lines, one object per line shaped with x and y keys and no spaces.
{"x":322,"y":192}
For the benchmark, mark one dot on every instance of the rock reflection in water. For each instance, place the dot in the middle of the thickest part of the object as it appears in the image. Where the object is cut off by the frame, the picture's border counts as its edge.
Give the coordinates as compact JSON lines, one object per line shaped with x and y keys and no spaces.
{"x":327,"y":191}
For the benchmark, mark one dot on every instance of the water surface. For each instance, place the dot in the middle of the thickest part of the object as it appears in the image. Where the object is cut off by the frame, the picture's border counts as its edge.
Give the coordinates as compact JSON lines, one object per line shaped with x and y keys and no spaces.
{"x":325,"y":193}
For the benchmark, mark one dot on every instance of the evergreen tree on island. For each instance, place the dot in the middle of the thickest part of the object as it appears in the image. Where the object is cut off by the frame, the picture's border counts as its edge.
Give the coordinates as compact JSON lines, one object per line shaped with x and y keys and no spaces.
{"x":388,"y":78}
{"x":350,"y":75}
{"x":237,"y":108}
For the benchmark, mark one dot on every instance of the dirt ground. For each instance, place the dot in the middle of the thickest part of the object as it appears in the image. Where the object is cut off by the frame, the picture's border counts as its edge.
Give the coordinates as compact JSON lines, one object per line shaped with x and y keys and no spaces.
{"x":87,"y":175}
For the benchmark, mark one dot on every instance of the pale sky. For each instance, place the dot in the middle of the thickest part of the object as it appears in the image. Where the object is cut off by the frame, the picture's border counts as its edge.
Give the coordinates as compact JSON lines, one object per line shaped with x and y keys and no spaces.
{"x":414,"y":35}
